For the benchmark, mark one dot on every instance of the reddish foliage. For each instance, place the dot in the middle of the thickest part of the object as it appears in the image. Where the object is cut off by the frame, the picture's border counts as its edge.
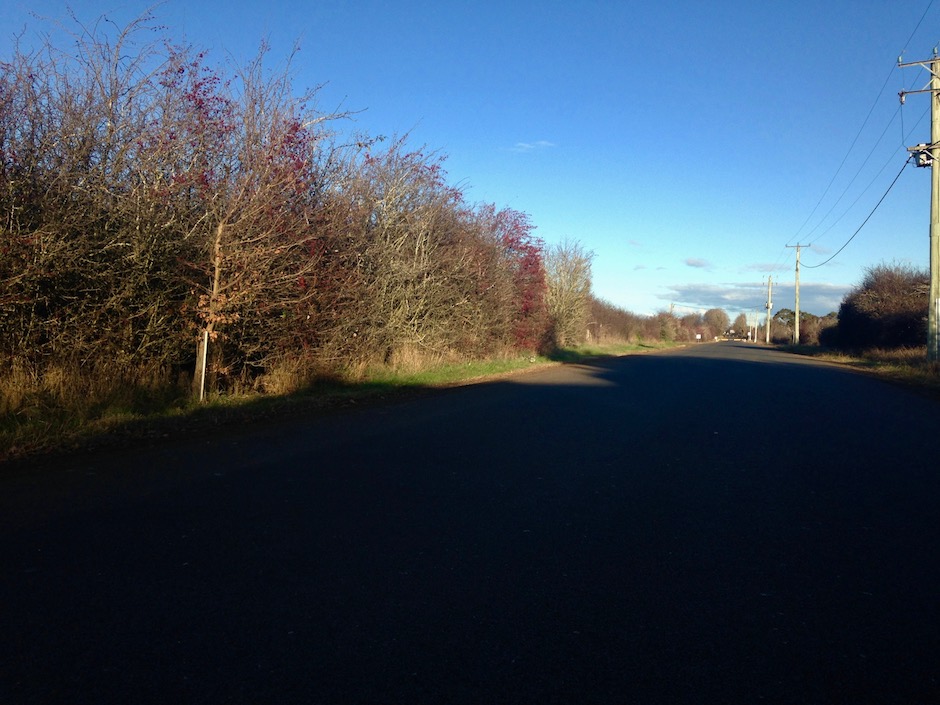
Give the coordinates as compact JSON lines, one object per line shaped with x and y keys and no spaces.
{"x":524,"y":252}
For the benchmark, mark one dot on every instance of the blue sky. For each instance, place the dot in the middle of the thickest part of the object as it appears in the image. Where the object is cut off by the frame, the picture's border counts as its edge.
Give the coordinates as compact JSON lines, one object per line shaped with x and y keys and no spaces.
{"x":684,"y":143}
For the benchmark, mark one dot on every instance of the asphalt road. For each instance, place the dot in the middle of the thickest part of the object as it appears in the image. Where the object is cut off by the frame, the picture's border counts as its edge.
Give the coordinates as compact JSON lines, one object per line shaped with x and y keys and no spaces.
{"x":721,"y":524}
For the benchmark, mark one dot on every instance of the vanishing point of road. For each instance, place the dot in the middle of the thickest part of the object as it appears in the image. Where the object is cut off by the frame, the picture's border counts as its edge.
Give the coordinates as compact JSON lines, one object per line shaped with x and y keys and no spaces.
{"x":719,"y":524}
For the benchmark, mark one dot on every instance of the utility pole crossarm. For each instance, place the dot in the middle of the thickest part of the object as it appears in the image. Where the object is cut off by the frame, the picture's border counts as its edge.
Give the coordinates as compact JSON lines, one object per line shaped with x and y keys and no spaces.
{"x":928,"y":66}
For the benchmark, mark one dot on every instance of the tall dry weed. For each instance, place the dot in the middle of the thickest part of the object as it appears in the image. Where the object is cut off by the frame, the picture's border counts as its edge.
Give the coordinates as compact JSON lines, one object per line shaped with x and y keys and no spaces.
{"x":15,"y":387}
{"x":80,"y":391}
{"x":287,"y":375}
{"x":412,"y":359}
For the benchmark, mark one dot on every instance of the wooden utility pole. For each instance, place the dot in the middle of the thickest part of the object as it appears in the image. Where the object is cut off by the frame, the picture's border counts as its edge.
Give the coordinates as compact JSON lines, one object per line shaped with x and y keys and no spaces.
{"x":770,"y":304}
{"x":796,"y":312}
{"x":927,"y":155}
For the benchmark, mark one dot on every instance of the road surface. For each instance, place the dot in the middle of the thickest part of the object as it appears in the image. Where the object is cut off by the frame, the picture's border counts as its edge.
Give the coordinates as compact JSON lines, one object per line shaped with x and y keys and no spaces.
{"x":719,"y":524}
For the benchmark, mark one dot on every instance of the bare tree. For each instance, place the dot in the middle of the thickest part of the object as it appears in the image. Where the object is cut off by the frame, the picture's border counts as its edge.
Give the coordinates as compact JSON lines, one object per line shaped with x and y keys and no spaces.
{"x":717,"y":321}
{"x":568,"y":276}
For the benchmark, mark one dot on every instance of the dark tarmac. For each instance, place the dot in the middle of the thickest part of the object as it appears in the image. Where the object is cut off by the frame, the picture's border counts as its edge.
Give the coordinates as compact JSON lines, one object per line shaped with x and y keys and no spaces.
{"x":720,"y":524}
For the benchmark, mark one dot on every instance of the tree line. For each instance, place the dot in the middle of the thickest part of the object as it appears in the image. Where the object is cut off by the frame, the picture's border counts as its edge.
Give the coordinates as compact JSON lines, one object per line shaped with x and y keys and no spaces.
{"x":164,"y":218}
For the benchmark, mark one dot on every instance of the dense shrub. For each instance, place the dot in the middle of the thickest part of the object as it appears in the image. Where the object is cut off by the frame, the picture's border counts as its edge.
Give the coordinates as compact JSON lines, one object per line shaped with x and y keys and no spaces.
{"x":813,"y":328}
{"x":160,"y":211}
{"x":610,"y":323}
{"x":888,"y":309}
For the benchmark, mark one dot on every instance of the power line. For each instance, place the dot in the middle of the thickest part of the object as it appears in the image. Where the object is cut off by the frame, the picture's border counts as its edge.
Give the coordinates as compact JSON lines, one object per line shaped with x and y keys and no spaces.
{"x":870,"y":183}
{"x":847,"y":153}
{"x":852,"y":181}
{"x":783,"y":254}
{"x":858,"y":134}
{"x":907,"y":43}
{"x":880,"y":200}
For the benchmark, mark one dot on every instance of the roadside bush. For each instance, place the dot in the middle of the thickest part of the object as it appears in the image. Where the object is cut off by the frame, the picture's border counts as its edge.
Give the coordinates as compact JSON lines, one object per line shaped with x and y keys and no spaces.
{"x":887,"y":310}
{"x":813,"y":328}
{"x":609,"y":323}
{"x":162,"y":213}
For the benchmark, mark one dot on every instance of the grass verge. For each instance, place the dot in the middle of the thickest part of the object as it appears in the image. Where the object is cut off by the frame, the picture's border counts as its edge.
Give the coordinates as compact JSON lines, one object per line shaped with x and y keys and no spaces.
{"x":907,"y":366}
{"x":41,"y":425}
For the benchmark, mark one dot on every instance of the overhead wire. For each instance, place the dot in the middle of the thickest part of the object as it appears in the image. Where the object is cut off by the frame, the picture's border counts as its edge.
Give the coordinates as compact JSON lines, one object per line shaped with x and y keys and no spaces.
{"x":870,"y":183}
{"x":898,"y":112}
{"x":847,"y":153}
{"x":852,"y":181}
{"x":906,"y":45}
{"x":785,"y":251}
{"x":867,"y":218}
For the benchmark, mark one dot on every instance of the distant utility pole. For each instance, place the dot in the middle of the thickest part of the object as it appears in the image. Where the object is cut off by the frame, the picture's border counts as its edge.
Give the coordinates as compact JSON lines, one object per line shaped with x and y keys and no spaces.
{"x":770,"y":304}
{"x":796,"y":313}
{"x":927,"y":155}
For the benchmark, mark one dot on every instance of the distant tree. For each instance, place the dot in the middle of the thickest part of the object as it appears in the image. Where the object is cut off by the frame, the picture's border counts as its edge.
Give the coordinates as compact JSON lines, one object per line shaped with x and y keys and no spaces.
{"x":610,"y":323}
{"x":739,"y":326}
{"x":785,"y":317}
{"x":780,"y":334}
{"x":668,"y":326}
{"x":691,"y":325}
{"x":717,"y":321}
{"x":781,"y":326}
{"x":809,"y":328}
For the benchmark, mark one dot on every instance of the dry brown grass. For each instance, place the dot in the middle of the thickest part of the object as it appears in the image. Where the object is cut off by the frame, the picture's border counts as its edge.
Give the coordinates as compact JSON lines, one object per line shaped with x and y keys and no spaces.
{"x":904,"y":365}
{"x":51,"y":406}
{"x":62,"y":407}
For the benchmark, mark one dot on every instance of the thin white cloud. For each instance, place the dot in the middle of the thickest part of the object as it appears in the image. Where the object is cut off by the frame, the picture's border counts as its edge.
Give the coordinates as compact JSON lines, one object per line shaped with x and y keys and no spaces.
{"x":531,"y":146}
{"x":767,"y":267}
{"x":697,"y":263}
{"x":819,"y":299}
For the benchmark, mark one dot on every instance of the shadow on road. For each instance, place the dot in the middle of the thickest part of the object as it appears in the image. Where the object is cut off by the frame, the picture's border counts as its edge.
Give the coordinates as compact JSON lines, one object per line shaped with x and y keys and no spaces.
{"x":717,"y":524}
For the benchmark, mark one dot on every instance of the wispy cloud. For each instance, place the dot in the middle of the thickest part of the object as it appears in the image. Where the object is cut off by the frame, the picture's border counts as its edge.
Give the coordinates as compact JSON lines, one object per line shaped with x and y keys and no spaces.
{"x":785,"y":266}
{"x":531,"y":146}
{"x":639,"y":267}
{"x":819,"y":299}
{"x":767,"y":267}
{"x":698,"y":263}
